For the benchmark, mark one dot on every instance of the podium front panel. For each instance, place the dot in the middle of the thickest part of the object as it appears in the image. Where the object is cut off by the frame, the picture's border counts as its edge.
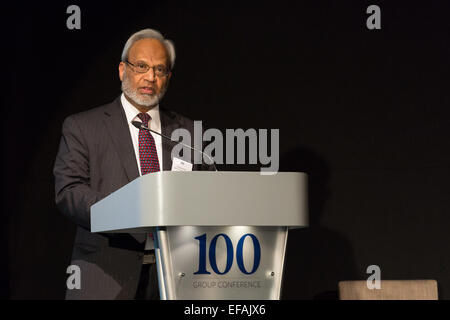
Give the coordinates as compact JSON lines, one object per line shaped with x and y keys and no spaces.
{"x":233,"y":262}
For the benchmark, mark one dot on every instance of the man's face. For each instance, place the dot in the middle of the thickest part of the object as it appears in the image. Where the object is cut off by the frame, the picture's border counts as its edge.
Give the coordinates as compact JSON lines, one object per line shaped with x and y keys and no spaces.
{"x":145,"y":90}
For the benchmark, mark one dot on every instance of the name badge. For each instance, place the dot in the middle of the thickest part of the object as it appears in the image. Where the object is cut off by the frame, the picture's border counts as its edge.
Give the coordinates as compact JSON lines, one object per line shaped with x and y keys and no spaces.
{"x":181,"y":165}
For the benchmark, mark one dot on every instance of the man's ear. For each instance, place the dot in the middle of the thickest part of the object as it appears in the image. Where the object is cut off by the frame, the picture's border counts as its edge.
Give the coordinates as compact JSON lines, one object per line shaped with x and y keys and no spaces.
{"x":121,"y":70}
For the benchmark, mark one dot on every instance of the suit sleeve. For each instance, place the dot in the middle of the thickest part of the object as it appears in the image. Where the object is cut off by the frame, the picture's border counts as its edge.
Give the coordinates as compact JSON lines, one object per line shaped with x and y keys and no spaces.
{"x":73,"y":193}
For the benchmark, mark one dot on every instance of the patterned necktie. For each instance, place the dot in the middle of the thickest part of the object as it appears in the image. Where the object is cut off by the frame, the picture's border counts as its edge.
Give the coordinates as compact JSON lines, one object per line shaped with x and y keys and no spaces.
{"x":147,"y":148}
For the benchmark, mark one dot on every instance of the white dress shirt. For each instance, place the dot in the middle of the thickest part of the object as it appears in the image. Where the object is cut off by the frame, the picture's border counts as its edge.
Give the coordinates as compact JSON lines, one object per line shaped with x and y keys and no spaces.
{"x":155,"y":124}
{"x":131,"y":113}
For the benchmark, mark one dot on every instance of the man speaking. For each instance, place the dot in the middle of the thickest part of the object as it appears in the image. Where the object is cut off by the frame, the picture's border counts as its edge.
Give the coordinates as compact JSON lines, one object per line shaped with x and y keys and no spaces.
{"x":100,"y":151}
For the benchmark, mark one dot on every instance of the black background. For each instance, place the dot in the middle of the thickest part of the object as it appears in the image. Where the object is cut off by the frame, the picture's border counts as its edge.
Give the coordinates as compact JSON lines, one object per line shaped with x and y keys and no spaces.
{"x":364,"y":112}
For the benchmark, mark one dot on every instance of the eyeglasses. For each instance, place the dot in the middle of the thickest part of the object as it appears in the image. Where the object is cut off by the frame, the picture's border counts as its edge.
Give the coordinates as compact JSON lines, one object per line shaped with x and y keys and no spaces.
{"x":160,"y":70}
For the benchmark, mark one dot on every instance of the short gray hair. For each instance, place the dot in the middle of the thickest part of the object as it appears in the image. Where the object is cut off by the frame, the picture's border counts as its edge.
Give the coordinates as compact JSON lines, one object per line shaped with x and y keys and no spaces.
{"x":150,"y":34}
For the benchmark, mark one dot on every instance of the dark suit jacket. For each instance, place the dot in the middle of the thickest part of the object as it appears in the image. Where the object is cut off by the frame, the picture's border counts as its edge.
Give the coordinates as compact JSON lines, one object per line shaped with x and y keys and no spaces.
{"x":95,"y":158}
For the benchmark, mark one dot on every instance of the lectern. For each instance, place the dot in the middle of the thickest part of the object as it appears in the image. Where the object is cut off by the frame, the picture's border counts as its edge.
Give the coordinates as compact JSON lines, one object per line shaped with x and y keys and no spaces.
{"x":218,"y":235}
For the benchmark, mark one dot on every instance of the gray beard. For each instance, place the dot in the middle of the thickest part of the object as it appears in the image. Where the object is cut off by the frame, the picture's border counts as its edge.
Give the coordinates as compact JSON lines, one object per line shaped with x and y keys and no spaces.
{"x":140,"y":99}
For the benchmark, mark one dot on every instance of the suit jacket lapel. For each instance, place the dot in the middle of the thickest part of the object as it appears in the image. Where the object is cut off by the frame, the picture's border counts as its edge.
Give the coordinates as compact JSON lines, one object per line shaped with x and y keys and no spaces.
{"x":116,"y":124}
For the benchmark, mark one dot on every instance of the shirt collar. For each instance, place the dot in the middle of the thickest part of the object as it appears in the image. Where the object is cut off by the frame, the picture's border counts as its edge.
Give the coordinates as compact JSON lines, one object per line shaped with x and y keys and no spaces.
{"x":131,"y":111}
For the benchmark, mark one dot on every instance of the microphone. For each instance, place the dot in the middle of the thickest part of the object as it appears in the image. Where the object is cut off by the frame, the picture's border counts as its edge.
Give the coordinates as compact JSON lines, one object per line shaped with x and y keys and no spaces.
{"x":140,"y":125}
